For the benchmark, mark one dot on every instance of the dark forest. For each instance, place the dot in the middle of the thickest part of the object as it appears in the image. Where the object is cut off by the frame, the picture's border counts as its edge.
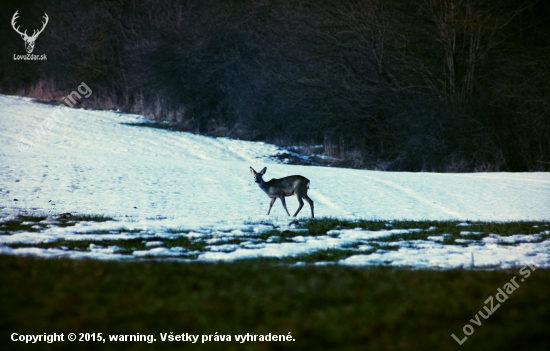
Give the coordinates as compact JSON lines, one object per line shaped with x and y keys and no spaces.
{"x":400,"y":85}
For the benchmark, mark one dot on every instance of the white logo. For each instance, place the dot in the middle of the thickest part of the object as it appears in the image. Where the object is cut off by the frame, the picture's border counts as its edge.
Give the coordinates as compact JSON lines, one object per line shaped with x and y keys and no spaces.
{"x":29,"y":40}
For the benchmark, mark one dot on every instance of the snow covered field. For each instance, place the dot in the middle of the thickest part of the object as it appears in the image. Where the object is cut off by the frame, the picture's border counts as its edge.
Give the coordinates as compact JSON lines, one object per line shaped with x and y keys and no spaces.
{"x":158,"y":185}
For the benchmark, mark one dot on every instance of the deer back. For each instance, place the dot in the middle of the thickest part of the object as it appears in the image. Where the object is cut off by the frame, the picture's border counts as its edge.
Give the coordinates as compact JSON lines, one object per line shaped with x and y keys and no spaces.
{"x":287,"y":186}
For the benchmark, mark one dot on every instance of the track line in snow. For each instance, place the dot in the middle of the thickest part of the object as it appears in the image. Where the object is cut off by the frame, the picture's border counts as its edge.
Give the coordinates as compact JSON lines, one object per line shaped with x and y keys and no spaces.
{"x":325,"y":201}
{"x":413,"y":194}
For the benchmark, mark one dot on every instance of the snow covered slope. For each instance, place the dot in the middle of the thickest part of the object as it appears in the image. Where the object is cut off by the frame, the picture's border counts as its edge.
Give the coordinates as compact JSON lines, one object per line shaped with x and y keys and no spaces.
{"x":88,"y":162}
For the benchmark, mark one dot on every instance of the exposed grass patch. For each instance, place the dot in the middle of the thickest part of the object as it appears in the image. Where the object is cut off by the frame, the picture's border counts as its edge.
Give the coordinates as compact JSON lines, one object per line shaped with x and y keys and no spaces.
{"x":177,"y":231}
{"x":38,"y":223}
{"x":25,"y":218}
{"x":12,"y":226}
{"x":23,"y":223}
{"x":327,"y":255}
{"x":67,"y":219}
{"x":121,"y":230}
{"x":126,"y":246}
{"x":323,"y":225}
{"x":399,"y":234}
{"x":508,"y":228}
{"x":451,"y":230}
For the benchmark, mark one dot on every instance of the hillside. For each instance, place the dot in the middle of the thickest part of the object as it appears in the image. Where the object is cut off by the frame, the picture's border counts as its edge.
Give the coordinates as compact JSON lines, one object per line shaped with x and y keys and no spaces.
{"x":156,"y":182}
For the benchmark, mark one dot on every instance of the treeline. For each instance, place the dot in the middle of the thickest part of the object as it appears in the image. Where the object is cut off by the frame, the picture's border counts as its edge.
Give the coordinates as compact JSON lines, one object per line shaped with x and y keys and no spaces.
{"x":433,"y":85}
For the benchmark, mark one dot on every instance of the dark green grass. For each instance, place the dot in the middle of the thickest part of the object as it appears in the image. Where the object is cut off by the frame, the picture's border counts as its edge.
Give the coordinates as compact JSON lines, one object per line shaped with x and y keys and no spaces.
{"x":451,"y":230}
{"x":324,"y":307}
{"x":67,"y":220}
{"x":127,"y":246}
{"x":324,"y":255}
{"x":323,"y":225}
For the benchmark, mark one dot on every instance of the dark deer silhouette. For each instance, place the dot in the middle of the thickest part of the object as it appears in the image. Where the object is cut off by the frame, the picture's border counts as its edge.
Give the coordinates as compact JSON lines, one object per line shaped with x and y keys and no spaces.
{"x":287,"y":186}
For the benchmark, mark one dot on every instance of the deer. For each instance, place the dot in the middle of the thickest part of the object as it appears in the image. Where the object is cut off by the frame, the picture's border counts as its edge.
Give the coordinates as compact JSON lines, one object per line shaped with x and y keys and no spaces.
{"x":287,"y":186}
{"x":29,"y":41}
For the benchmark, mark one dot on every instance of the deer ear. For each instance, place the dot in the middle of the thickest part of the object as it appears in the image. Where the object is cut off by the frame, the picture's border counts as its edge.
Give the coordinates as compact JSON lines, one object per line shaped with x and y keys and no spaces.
{"x":252,"y":171}
{"x":262,"y":172}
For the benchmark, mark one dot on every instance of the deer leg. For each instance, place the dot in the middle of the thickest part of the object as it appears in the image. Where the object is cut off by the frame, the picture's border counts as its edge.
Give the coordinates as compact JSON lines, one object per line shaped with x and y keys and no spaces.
{"x":284,"y":205}
{"x":271,"y":204}
{"x":310,"y":202}
{"x":300,"y":206}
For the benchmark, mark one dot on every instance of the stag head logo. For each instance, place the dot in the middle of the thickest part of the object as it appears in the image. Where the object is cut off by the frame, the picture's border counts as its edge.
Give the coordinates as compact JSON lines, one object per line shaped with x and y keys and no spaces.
{"x":29,"y":40}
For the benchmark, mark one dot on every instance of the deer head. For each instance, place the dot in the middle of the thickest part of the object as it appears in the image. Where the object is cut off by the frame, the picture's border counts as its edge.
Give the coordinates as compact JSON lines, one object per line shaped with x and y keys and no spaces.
{"x":258,"y":175}
{"x":29,"y":40}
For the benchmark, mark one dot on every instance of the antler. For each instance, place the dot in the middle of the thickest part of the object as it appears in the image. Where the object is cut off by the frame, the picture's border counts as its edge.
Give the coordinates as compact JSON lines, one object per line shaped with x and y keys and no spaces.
{"x":43,"y":26}
{"x":34,"y":33}
{"x":13,"y":19}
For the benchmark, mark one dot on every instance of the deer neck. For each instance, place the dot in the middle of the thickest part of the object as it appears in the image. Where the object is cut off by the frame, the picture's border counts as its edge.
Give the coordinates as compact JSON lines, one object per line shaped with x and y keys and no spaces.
{"x":263,"y":185}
